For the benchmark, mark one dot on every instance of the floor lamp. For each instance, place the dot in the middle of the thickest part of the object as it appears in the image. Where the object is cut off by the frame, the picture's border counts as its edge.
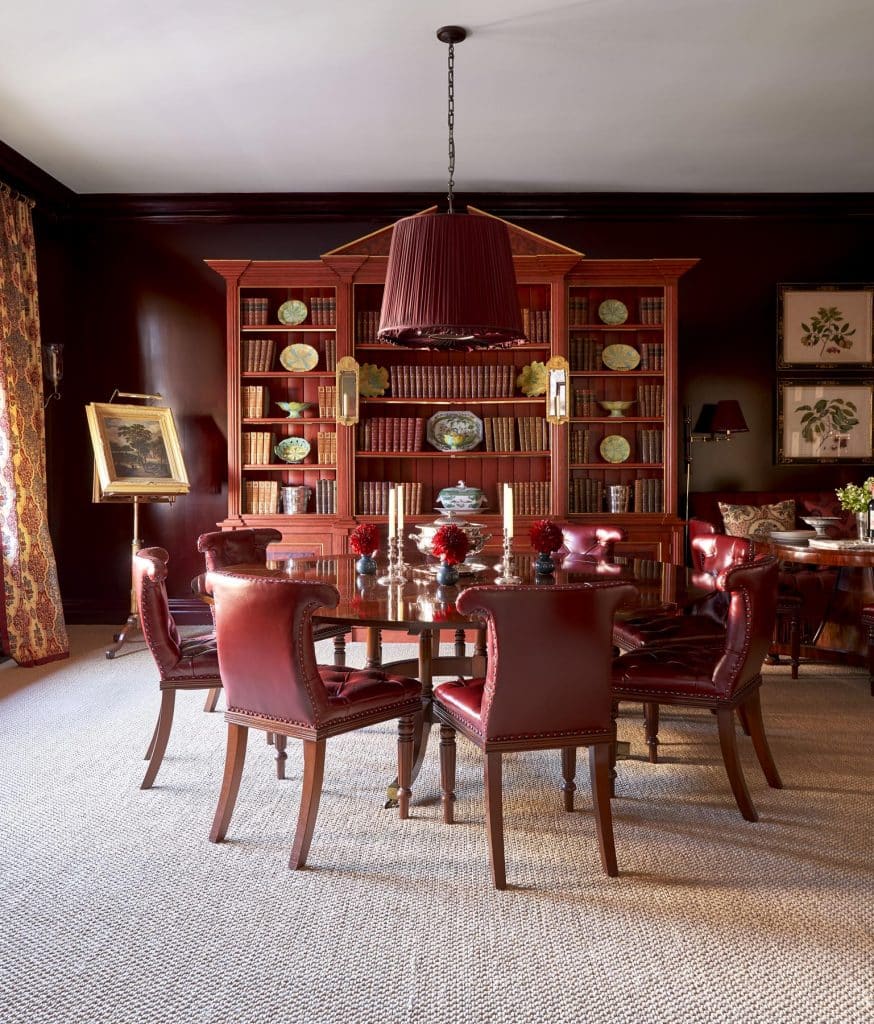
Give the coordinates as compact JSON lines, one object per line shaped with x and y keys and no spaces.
{"x":717,"y":421}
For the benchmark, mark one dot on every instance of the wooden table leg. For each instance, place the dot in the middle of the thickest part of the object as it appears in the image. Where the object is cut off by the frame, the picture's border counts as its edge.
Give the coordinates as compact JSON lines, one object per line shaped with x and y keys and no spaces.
{"x":420,"y":740}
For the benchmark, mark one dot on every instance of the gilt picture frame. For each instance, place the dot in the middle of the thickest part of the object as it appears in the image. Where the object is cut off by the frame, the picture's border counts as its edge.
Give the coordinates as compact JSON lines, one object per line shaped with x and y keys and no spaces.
{"x":825,"y":421}
{"x":825,"y":326}
{"x":136,"y":450}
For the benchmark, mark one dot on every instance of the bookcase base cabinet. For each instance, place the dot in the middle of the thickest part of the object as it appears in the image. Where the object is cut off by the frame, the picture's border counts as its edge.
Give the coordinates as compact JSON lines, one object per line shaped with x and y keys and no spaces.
{"x":429,"y":419}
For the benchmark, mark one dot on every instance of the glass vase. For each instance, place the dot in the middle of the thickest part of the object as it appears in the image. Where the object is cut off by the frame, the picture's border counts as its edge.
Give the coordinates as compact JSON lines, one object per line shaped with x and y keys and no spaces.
{"x":447,"y":575}
{"x":544,"y":565}
{"x":366,"y":565}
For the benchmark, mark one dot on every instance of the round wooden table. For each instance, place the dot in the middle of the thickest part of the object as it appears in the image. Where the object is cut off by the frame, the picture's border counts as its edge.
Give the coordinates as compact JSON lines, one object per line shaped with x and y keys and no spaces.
{"x":841,"y":635}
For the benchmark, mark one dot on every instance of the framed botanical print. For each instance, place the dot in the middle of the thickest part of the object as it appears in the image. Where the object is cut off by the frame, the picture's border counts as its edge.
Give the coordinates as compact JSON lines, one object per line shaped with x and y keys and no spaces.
{"x":824,"y":421}
{"x":136,"y":449}
{"x":825,"y":326}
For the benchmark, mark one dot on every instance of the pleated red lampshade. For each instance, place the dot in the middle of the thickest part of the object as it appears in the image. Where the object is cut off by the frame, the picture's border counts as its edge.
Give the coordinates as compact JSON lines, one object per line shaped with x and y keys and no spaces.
{"x":450,"y":284}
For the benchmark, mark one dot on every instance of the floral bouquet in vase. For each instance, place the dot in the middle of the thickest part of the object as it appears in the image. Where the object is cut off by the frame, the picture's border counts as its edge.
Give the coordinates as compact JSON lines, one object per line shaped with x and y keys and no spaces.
{"x":546,"y":537}
{"x":450,"y":545}
{"x":364,"y":541}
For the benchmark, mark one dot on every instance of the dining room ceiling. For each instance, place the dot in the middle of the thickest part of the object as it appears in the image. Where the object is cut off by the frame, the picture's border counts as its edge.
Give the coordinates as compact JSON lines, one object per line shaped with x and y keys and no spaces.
{"x":344,"y":96}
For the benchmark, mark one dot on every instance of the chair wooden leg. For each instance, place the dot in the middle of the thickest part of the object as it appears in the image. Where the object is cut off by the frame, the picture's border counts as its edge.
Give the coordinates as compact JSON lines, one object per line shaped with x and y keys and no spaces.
{"x":568,"y":774}
{"x":151,"y":745}
{"x":614,"y":714}
{"x":795,"y":644}
{"x":743,"y":719}
{"x":405,"y":765}
{"x":599,"y":773}
{"x":280,"y":742}
{"x":459,"y":643}
{"x":728,"y":743}
{"x":753,"y":711}
{"x":651,"y":729}
{"x":235,"y":758}
{"x":212,"y":697}
{"x":447,"y":773}
{"x":340,"y":651}
{"x":159,"y":740}
{"x":493,"y":786}
{"x":313,"y":774}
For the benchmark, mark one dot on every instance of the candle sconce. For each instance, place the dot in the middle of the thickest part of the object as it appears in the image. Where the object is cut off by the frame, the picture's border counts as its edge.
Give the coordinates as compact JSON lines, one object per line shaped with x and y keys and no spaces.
{"x":557,"y":375}
{"x":347,"y":391}
{"x":53,"y":368}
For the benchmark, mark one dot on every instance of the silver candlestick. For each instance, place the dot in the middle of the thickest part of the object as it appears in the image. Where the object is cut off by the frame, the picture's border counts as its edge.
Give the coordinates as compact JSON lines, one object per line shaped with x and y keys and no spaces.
{"x":507,"y":578}
{"x":395,"y":570}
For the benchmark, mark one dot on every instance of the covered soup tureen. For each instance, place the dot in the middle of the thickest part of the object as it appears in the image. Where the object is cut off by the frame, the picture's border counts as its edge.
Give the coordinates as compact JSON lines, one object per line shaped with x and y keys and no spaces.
{"x":461,"y":498}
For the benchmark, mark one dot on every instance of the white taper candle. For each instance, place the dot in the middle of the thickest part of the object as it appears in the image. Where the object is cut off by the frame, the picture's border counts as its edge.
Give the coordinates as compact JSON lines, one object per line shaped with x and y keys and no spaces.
{"x":392,"y":520}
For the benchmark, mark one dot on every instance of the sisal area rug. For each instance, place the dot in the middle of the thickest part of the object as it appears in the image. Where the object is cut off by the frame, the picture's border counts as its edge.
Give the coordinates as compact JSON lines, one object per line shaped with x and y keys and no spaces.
{"x":116,"y":908}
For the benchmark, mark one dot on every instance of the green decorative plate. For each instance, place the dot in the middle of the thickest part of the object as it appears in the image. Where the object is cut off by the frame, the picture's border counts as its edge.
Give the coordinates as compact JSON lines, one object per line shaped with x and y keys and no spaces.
{"x":612,"y":311}
{"x":615,"y":448}
{"x":293,"y":449}
{"x":533,"y":379}
{"x":621,"y":357}
{"x":372,"y":380}
{"x":299,"y":357}
{"x":292,"y":313}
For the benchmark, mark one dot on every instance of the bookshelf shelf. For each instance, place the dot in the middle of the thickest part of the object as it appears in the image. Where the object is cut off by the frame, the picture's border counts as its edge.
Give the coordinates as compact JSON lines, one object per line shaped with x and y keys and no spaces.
{"x":559,"y":293}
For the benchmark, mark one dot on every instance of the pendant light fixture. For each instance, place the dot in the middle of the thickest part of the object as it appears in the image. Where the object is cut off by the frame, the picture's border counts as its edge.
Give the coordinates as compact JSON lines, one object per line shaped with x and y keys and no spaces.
{"x":450,"y":282}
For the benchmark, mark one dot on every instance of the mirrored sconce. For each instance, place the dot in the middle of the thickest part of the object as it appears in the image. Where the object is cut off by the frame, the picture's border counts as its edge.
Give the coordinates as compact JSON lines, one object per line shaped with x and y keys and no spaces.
{"x":53,"y":367}
{"x":347,"y":391}
{"x":557,"y":377}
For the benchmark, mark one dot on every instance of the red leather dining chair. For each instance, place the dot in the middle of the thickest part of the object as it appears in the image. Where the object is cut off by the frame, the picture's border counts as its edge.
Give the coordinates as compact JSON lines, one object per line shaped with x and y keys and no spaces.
{"x":595,"y":543}
{"x":723,"y":676}
{"x":272,"y":682}
{"x":222,"y":548}
{"x":184,"y":663}
{"x":547,"y":686}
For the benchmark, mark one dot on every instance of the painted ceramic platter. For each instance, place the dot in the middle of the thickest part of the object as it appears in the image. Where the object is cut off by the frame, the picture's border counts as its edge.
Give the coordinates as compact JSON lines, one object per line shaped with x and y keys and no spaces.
{"x":372,"y":380}
{"x":293,"y":449}
{"x":454,"y":431}
{"x":533,"y":379}
{"x":615,"y":448}
{"x":612,"y":311}
{"x":298,"y":357}
{"x":293,"y":312}
{"x":620,"y":357}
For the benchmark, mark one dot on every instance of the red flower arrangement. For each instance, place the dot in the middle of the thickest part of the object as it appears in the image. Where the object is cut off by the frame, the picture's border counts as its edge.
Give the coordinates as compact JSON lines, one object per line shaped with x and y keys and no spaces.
{"x":545,"y":536}
{"x":364,"y":539}
{"x":450,"y":544}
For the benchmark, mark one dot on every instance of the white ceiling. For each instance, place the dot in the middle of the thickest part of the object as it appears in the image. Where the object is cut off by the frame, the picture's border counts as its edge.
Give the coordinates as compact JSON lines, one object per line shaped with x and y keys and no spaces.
{"x":350,"y":95}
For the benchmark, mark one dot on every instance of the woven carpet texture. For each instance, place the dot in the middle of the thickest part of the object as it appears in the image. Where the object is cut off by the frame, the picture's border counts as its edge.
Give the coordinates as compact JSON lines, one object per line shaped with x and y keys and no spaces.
{"x":116,"y":908}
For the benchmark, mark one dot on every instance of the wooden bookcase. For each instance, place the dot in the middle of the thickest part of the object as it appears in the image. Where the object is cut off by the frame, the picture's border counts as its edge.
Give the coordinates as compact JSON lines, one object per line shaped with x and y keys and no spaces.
{"x":538,"y":459}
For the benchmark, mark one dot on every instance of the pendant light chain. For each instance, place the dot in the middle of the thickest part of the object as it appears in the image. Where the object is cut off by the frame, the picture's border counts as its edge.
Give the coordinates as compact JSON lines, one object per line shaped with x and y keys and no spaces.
{"x":451,"y":121}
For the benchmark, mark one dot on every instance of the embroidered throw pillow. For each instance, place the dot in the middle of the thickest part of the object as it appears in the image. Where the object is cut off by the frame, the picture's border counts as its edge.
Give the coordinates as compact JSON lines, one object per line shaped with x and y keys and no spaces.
{"x":757,"y":520}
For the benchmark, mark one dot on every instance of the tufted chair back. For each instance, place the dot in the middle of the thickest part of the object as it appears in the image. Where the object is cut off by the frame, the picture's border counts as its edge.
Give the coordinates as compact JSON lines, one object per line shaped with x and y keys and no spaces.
{"x":582,"y":540}
{"x":752,"y":590}
{"x":159,"y":628}
{"x":236,"y":547}
{"x":273,"y":678}
{"x":713,"y":554}
{"x":549,"y":655}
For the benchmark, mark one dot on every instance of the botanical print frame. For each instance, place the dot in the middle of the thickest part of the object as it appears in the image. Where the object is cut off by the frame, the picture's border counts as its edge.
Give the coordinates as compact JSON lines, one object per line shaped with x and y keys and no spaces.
{"x":824,"y":421}
{"x":825,"y":326}
{"x":136,"y":449}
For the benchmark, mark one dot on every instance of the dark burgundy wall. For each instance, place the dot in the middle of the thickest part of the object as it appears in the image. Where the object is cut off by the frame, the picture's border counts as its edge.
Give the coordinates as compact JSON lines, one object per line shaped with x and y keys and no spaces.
{"x":138,"y":310}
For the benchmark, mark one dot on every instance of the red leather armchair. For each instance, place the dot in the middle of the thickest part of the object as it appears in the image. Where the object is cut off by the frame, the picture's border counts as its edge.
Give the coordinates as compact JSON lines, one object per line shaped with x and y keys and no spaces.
{"x":722,"y":676}
{"x":584,"y":540}
{"x":547,"y":686}
{"x":272,"y":683}
{"x":188,"y":663}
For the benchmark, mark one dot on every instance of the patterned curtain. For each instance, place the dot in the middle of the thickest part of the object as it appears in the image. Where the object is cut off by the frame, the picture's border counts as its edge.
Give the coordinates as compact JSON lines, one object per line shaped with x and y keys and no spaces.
{"x":32,"y":626}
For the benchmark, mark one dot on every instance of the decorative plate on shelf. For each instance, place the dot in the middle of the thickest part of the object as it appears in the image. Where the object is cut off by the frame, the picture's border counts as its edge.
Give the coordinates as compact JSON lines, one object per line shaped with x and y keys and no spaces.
{"x":533,"y":379}
{"x":298,"y":357}
{"x":372,"y":380}
{"x":612,"y":311}
{"x":614,"y":448}
{"x":293,"y":449}
{"x":620,"y":357}
{"x":454,"y":431}
{"x":292,"y":313}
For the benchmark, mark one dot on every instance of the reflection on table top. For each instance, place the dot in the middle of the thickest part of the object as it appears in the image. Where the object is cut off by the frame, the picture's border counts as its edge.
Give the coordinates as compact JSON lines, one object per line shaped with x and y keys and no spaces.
{"x":421,"y":603}
{"x":850,"y":557}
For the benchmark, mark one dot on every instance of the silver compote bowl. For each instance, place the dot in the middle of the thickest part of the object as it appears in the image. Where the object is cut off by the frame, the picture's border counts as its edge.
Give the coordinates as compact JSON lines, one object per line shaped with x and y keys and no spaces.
{"x":822,"y":523}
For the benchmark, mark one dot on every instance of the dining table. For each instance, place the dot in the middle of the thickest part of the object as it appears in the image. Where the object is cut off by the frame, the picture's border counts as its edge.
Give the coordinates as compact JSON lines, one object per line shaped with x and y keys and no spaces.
{"x":840,"y":635}
{"x":419,"y":606}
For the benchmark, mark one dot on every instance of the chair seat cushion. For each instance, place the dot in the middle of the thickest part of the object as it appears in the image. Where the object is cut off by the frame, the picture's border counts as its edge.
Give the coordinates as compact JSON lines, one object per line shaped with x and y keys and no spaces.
{"x":361,"y":689}
{"x":679,"y":669}
{"x":662,"y":628}
{"x":198,"y":660}
{"x":463,"y":699}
